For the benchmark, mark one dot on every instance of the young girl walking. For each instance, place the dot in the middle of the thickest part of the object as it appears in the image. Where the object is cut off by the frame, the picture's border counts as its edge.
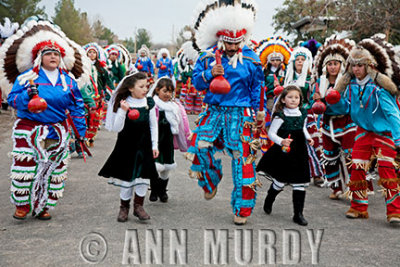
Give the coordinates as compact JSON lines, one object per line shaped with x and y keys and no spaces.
{"x":171,"y":120}
{"x":131,"y":163}
{"x":286,"y":162}
{"x":298,"y":73}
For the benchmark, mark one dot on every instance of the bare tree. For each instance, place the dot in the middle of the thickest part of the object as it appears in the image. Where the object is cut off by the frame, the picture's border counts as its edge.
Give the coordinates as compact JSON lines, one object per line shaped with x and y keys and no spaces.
{"x":364,"y":18}
{"x":321,"y":18}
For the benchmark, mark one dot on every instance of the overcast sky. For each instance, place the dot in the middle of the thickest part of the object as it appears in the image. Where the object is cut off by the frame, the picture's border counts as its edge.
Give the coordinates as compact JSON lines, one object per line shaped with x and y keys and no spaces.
{"x":160,"y":17}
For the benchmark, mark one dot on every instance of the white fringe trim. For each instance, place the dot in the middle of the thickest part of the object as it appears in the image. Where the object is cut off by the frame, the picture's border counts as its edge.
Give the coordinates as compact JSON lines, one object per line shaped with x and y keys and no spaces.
{"x":59,"y":178}
{"x":57,"y":194}
{"x":22,"y":176}
{"x":21,"y":156}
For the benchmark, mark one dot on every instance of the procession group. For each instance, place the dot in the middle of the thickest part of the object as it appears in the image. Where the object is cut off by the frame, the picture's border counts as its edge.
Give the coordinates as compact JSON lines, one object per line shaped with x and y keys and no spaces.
{"x":324,"y":112}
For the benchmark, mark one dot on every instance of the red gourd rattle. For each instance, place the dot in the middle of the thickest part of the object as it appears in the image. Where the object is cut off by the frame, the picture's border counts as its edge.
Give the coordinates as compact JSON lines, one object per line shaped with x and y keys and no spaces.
{"x":36,"y":104}
{"x":219,"y":85}
{"x":318,"y":107}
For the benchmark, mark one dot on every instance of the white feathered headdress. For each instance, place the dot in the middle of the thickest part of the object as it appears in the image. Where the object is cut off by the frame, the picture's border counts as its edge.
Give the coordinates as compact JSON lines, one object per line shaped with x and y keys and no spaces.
{"x":187,"y":52}
{"x":219,"y":21}
{"x":8,"y":28}
{"x":163,"y":51}
{"x":23,"y":51}
{"x":307,"y":65}
{"x":336,"y":49}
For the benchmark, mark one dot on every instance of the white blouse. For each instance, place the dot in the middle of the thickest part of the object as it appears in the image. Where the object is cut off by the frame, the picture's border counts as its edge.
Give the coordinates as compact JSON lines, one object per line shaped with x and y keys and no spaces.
{"x":277,"y":123}
{"x":52,"y":75}
{"x":119,"y":119}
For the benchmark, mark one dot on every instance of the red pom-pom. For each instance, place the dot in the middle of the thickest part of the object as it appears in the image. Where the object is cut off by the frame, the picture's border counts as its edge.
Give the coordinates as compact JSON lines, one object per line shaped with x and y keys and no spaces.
{"x":140,"y":67}
{"x":133,"y":114}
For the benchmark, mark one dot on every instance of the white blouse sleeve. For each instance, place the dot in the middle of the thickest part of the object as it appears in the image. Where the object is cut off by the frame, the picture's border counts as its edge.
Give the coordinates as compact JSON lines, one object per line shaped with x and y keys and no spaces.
{"x":154,"y":129}
{"x":273,"y":131}
{"x":306,"y":133}
{"x":119,"y":120}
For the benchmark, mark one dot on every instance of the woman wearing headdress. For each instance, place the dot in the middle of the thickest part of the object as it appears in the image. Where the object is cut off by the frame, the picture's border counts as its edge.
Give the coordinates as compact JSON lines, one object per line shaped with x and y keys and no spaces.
{"x":338,"y":130}
{"x":100,"y":74}
{"x":274,"y":54}
{"x":116,"y":66}
{"x":40,"y":61}
{"x":100,"y":88}
{"x":369,"y":93}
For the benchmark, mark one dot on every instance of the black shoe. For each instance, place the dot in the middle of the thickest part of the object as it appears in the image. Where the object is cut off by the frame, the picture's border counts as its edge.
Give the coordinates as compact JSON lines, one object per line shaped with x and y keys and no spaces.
{"x":162,"y":193}
{"x":154,"y":189}
{"x":299,"y":219}
{"x":298,"y":206}
{"x":269,"y":200}
{"x":267,"y":206}
{"x":153,"y":196}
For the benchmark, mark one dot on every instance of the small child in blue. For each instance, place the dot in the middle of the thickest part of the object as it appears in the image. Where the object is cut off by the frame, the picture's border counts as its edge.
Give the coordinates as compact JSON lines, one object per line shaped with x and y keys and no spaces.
{"x":288,"y":129}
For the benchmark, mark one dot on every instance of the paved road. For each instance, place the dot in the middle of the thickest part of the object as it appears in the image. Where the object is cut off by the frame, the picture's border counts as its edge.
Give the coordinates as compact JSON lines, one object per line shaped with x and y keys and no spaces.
{"x":194,"y":231}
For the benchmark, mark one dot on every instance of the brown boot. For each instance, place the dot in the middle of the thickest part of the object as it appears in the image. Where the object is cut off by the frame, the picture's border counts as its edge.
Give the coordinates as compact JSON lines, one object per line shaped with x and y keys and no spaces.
{"x":21,"y":212}
{"x":123,"y":211}
{"x":44,"y":215}
{"x":138,"y":209}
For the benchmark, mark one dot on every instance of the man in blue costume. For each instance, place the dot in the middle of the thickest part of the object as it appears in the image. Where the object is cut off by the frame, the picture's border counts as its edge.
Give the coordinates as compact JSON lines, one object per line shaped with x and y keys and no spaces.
{"x":164,"y":64}
{"x":227,"y":123}
{"x":143,"y":62}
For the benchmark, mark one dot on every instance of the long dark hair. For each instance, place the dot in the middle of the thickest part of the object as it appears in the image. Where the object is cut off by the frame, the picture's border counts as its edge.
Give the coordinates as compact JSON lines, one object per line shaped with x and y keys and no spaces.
{"x":280,"y":105}
{"x":127,"y":83}
{"x":164,"y":82}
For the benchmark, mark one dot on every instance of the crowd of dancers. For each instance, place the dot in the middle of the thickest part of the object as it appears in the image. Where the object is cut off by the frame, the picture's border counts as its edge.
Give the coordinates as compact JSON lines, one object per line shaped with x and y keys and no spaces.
{"x":324,"y":112}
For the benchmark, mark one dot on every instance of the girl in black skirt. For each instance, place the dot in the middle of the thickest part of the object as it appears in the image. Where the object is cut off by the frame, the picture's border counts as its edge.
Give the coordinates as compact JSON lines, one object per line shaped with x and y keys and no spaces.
{"x":284,"y":166}
{"x":169,"y":119}
{"x":131,"y":163}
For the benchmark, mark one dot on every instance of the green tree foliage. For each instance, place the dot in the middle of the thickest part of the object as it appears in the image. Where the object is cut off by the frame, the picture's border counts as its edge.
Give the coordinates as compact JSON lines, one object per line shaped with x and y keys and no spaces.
{"x":74,"y":24}
{"x":86,"y":29}
{"x":101,"y":32}
{"x":143,"y":37}
{"x":19,"y":10}
{"x":129,"y":43}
